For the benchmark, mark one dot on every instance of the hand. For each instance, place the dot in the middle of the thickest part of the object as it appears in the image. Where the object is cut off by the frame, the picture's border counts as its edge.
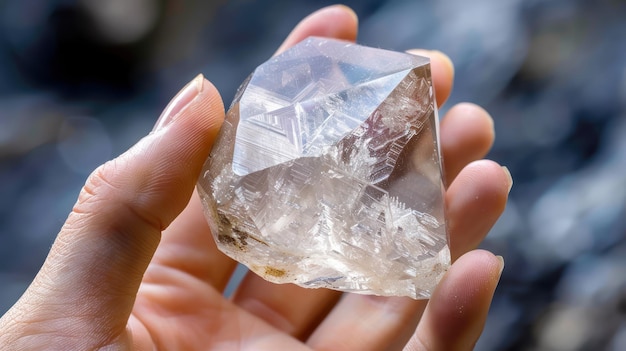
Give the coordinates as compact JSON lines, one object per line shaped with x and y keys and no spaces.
{"x":135,"y":267}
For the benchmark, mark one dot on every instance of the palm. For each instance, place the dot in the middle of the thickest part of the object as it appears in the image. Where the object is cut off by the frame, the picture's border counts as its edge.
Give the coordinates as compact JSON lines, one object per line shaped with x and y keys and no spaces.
{"x":178,"y":310}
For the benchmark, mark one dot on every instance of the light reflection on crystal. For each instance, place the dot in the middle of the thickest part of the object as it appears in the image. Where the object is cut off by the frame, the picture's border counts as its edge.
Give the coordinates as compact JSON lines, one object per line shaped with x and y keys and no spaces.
{"x":327,"y":172}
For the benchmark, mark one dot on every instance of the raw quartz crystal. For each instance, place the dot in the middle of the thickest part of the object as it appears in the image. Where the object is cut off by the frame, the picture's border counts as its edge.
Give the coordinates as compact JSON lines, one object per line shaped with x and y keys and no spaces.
{"x":327,"y":172}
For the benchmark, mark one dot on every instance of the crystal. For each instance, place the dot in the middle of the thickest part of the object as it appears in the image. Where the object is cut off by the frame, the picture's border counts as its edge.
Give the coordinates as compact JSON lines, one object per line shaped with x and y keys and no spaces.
{"x":327,"y":172}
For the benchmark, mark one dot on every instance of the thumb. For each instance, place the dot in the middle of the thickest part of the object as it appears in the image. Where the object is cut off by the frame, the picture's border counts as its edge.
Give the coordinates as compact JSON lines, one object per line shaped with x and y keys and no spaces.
{"x":88,"y":282}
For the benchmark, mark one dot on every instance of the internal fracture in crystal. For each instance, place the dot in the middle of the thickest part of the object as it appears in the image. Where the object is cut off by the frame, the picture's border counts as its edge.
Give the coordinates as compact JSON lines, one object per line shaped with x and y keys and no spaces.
{"x":327,"y":172}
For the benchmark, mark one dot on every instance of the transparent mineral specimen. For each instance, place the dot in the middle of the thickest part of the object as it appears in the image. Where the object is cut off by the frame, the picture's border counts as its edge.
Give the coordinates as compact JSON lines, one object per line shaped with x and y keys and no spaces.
{"x":327,"y":172}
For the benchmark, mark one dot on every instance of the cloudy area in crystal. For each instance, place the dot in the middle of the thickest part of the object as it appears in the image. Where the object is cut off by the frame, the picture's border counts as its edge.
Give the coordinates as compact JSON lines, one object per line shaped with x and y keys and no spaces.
{"x":80,"y":82}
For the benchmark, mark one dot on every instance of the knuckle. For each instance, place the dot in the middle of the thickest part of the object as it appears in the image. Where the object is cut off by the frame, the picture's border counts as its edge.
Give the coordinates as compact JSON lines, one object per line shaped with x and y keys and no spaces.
{"x":110,"y":193}
{"x":101,"y":184}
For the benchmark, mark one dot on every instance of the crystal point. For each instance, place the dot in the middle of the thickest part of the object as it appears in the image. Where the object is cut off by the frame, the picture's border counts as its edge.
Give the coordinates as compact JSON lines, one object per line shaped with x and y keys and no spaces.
{"x":327,"y":172}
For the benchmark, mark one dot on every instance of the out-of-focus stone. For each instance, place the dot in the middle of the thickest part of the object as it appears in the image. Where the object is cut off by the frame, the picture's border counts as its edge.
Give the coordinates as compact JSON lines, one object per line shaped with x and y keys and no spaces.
{"x":327,"y":172}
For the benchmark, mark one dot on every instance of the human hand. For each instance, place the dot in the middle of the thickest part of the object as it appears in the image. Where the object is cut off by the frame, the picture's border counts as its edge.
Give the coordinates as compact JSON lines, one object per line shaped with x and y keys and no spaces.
{"x":135,"y":267}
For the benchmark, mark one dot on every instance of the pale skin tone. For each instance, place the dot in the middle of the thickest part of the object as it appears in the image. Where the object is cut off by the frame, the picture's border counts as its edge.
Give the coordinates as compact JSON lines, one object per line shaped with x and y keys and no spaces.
{"x":135,"y":266}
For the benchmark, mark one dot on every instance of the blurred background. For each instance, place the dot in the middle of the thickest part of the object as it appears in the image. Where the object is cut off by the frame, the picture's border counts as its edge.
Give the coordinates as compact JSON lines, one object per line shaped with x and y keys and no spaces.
{"x":82,"y":80}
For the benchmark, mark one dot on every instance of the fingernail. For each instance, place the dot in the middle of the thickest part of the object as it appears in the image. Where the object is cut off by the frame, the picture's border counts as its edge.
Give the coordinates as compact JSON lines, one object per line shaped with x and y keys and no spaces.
{"x":179,"y":102}
{"x":501,"y":259}
{"x":509,"y":178}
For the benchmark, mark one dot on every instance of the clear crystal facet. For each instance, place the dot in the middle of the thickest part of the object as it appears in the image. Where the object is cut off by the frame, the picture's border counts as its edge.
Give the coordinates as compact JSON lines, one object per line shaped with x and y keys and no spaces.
{"x":327,"y":172}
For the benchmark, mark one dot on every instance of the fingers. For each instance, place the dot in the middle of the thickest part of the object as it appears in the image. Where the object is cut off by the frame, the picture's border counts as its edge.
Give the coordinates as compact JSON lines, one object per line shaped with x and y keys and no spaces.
{"x":287,"y":307}
{"x":466,"y":135}
{"x":364,"y":322}
{"x":96,"y":264}
{"x":337,"y":21}
{"x":474,"y":201}
{"x":442,"y":71}
{"x":456,"y":314}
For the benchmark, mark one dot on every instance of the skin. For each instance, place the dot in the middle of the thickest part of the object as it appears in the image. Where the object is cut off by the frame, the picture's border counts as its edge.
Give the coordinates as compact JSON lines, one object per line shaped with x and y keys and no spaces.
{"x":135,"y":267}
